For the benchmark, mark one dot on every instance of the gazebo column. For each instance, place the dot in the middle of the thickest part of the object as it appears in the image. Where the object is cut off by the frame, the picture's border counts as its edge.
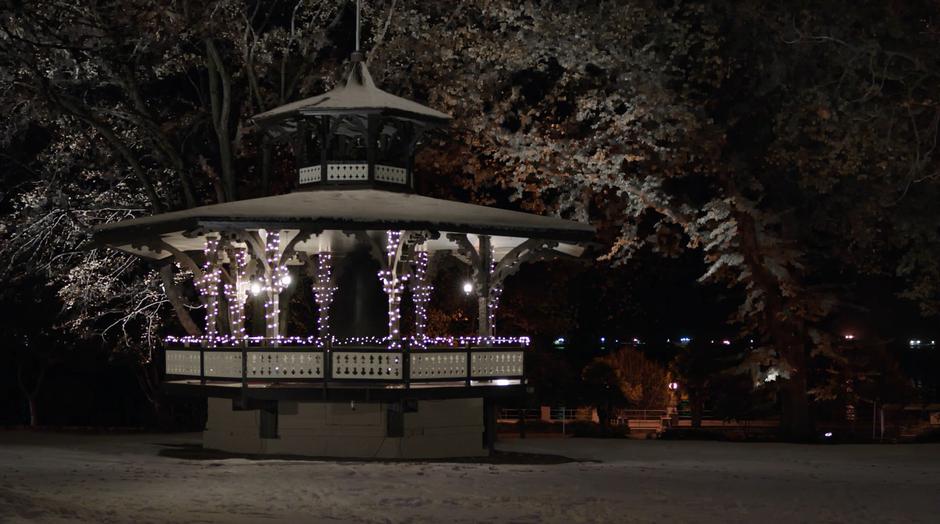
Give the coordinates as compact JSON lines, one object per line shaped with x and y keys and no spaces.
{"x":481,"y":261}
{"x":323,"y":291}
{"x":208,"y":285}
{"x":489,"y":272}
{"x":274,"y":280}
{"x":421,"y":293}
{"x":236,"y":289}
{"x":496,"y":290}
{"x":532,"y":250}
{"x":393,"y":284}
{"x":483,"y":273}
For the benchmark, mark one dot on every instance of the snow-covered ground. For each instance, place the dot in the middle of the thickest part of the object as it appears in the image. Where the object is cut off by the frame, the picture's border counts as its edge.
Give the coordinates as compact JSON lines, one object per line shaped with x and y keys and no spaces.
{"x":47,"y":477}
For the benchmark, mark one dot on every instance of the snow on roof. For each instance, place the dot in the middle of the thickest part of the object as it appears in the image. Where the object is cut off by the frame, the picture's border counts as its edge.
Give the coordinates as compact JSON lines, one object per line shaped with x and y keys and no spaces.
{"x":358,"y":94}
{"x":359,"y":209}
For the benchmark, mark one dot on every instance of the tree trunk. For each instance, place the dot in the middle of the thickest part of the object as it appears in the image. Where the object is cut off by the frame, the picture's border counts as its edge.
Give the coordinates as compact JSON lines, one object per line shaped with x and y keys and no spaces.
{"x":148,"y":378}
{"x":31,"y":394}
{"x":603,"y":414}
{"x":787,"y":336}
{"x":33,"y":411}
{"x":697,"y":407}
{"x":174,"y":295}
{"x":795,"y":424}
{"x":220,"y":96}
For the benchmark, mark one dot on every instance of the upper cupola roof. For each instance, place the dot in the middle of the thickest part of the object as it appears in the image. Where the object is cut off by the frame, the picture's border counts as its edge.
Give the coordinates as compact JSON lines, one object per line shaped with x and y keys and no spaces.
{"x":358,"y":95}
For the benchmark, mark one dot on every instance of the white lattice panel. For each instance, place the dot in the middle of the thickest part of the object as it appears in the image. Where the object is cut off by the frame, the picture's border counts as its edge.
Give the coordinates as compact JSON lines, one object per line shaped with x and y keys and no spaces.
{"x":395,"y":175}
{"x":496,"y":364}
{"x":309,"y":175}
{"x":438,"y":365}
{"x":182,"y":363}
{"x":223,"y":364}
{"x":344,"y":172}
{"x":285,"y":364}
{"x":366,"y":366}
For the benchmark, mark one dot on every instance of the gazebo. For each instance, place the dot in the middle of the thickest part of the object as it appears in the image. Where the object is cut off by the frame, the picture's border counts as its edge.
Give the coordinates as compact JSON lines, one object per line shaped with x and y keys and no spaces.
{"x":356,"y":237}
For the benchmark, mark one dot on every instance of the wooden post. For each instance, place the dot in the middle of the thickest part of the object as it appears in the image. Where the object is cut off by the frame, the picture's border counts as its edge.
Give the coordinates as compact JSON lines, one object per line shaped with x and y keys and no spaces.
{"x":325,"y":140}
{"x":372,"y":135}
{"x":302,"y":140}
{"x":484,"y":284}
{"x":489,"y":424}
{"x":265,"y":165}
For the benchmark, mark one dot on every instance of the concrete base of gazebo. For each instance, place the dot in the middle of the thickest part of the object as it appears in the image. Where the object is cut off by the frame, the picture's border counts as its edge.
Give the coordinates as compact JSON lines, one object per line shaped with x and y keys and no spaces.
{"x":425,"y":429}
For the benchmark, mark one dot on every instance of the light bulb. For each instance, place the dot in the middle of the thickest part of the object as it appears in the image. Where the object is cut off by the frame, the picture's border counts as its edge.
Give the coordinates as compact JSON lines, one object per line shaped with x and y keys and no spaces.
{"x":255,"y":288}
{"x":286,"y":280}
{"x":467,"y":287}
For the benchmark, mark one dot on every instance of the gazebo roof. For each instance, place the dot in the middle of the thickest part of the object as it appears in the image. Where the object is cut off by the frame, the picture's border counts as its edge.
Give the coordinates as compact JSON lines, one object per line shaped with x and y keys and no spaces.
{"x":340,"y":210}
{"x":358,"y":95}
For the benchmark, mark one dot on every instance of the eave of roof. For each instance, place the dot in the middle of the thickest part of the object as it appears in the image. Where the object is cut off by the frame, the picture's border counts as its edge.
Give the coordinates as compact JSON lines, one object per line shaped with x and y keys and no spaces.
{"x":351,"y":209}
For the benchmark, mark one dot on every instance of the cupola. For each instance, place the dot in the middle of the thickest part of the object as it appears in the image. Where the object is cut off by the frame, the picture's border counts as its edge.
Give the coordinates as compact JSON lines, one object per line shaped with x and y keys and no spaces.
{"x":355,"y":135}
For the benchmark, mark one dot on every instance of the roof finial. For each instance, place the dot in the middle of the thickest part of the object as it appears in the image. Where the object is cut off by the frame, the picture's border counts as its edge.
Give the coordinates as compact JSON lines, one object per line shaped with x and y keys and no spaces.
{"x":356,"y":56}
{"x":357,"y":26}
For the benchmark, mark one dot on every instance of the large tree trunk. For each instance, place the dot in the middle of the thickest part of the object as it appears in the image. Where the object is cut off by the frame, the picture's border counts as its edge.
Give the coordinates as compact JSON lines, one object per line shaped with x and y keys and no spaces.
{"x":31,"y":394}
{"x":33,"y":412}
{"x":795,"y":424}
{"x":696,"y":406}
{"x":784,"y":334}
{"x":175,"y":296}
{"x":148,"y":378}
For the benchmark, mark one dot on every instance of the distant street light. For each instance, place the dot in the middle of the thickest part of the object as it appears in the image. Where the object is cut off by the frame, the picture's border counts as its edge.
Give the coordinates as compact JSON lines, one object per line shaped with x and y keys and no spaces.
{"x":467,"y":287}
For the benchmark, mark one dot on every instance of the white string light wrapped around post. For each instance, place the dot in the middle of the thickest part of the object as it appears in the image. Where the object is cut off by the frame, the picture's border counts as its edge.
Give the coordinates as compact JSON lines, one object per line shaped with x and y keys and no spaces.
{"x":421,"y":293}
{"x":393,"y":285}
{"x":208,"y":286}
{"x":323,"y":291}
{"x":276,"y":279}
{"x":236,"y":292}
{"x":496,"y":290}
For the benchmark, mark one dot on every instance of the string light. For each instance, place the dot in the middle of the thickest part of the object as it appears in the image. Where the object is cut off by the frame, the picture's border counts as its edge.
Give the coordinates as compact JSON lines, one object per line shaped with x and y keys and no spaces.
{"x":393,"y":285}
{"x":237,"y":292}
{"x":496,"y":291}
{"x":276,"y":279}
{"x":323,"y":292}
{"x":320,"y":342}
{"x":208,"y":285}
{"x":421,"y":294}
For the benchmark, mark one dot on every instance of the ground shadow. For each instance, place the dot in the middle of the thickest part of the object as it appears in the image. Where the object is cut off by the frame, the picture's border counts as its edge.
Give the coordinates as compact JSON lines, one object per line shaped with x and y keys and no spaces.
{"x":197,"y":452}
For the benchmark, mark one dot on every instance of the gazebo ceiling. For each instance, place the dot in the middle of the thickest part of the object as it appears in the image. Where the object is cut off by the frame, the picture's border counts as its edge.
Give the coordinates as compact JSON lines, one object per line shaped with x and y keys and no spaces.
{"x":331,"y":212}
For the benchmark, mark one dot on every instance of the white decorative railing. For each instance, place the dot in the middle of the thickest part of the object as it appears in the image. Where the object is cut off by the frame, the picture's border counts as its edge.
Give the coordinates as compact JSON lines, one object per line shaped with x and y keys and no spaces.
{"x":395,"y":175}
{"x":432,"y":365}
{"x":485,"y":364}
{"x":367,"y":366}
{"x":347,"y":172}
{"x":309,"y":175}
{"x":470,"y":364}
{"x":287,"y":364}
{"x":352,"y":172}
{"x":223,"y":364}
{"x":183,"y":363}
